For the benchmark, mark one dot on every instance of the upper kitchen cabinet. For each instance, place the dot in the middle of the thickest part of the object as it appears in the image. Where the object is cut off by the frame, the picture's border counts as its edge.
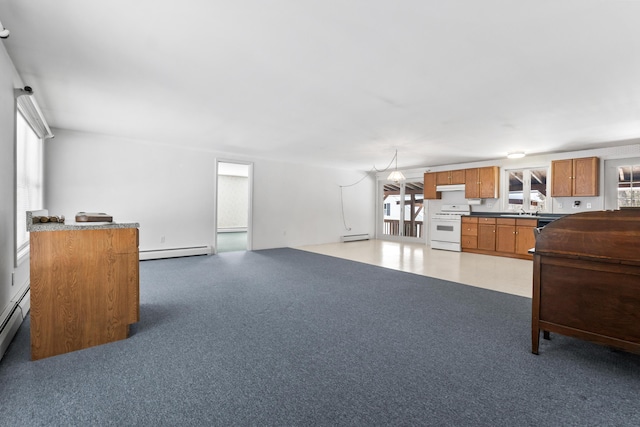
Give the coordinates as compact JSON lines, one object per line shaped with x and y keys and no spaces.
{"x":430,"y":182}
{"x":482,"y":183}
{"x":450,"y":177}
{"x":575,"y":177}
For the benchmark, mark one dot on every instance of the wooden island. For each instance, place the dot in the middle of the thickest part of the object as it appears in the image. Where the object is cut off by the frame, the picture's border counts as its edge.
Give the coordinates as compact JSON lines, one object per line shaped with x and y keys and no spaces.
{"x":84,"y":285}
{"x":586,"y":279}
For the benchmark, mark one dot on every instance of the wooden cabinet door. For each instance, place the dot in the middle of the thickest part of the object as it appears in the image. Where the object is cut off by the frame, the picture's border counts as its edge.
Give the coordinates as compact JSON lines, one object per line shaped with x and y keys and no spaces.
{"x":585,"y":177}
{"x":525,"y":239}
{"x":443,"y":178}
{"x":429,"y":187}
{"x":487,"y":237}
{"x":506,"y":235}
{"x":489,"y":178}
{"x":561,"y":177}
{"x":458,"y":176}
{"x":471,"y":184}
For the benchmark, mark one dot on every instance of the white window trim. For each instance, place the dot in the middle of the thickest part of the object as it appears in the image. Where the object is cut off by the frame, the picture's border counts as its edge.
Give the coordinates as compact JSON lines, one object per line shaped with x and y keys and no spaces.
{"x":27,"y":107}
{"x":505,"y":185}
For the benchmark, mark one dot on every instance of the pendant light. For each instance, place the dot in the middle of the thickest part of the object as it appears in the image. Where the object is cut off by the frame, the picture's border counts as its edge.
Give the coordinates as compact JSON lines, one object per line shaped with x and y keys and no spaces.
{"x":396,"y":176}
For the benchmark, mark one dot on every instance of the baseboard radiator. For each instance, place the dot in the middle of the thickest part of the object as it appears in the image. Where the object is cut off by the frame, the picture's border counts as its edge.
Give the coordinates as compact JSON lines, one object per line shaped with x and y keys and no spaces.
{"x":175,"y":252}
{"x":12,"y":318}
{"x":354,"y":237}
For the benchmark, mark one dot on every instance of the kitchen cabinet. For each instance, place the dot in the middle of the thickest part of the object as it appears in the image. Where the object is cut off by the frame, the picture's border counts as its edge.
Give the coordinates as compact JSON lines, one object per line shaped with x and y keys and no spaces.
{"x":482,"y":183}
{"x":515,"y":236}
{"x":487,"y":234}
{"x":508,"y":237}
{"x":469,"y":233}
{"x":525,"y":236}
{"x":450,"y":177}
{"x":429,"y":187}
{"x":575,"y":177}
{"x":84,"y":287}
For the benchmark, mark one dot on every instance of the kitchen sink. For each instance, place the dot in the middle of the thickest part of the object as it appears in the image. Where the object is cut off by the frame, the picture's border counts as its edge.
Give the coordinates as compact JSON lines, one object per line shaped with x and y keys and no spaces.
{"x":519,"y":216}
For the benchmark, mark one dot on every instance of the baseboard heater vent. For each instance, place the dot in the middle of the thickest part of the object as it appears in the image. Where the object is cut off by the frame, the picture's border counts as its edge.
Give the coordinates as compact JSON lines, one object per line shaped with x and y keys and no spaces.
{"x":175,"y":252}
{"x":13,"y":319}
{"x":354,"y":237}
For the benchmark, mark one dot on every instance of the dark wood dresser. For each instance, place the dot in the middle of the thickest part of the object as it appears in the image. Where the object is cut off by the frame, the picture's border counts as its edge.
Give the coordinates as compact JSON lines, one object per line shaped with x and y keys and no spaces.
{"x":586,"y":279}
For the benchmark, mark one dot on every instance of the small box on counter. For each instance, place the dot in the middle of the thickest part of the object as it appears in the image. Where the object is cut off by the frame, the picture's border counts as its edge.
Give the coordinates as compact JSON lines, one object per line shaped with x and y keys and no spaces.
{"x":93,"y":217}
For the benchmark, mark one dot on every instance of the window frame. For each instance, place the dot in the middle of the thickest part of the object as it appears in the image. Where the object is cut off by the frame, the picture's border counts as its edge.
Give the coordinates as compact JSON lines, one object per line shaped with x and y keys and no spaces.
{"x":526,"y":188}
{"x":632,"y":188}
{"x":22,"y":121}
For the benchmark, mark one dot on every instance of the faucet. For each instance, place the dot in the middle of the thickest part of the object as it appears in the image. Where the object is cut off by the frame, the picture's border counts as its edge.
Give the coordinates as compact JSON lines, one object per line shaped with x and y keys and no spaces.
{"x":521,"y":211}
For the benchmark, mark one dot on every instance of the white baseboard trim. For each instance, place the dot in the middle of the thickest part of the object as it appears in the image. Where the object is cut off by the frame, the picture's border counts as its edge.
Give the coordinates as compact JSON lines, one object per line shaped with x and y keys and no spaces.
{"x":175,"y":252}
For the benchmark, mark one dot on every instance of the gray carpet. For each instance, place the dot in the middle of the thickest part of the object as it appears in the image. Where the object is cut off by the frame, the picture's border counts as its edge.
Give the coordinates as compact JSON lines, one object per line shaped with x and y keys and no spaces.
{"x":289,"y":338}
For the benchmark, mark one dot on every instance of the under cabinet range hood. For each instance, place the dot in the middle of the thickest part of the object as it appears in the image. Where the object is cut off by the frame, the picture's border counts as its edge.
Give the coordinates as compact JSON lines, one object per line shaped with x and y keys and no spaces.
{"x":451,"y":187}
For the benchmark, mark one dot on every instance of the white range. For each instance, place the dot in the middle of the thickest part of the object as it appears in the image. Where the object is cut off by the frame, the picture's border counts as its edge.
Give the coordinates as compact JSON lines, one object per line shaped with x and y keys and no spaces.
{"x":445,"y":227}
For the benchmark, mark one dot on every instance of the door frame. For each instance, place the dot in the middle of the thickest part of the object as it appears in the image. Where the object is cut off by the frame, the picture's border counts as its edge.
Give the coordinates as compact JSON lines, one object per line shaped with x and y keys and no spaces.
{"x":249,"y":202}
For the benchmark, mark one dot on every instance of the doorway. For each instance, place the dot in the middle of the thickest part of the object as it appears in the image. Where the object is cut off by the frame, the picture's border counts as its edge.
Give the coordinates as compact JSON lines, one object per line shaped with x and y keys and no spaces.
{"x":233,"y":206}
{"x":403,"y":210}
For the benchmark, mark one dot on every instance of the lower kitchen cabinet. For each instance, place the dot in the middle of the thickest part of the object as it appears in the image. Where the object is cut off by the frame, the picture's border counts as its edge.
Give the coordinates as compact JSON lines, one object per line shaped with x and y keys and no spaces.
{"x":487,"y":234}
{"x":508,"y":237}
{"x":525,"y":236}
{"x":469,"y":237}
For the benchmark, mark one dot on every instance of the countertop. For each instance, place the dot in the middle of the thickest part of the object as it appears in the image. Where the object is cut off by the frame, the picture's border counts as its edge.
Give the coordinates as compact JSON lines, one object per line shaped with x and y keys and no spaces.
{"x":57,"y":226}
{"x":515,"y":215}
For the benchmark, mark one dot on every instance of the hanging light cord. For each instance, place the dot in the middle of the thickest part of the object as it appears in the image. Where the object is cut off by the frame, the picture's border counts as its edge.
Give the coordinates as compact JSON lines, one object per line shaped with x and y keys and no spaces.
{"x":344,"y":221}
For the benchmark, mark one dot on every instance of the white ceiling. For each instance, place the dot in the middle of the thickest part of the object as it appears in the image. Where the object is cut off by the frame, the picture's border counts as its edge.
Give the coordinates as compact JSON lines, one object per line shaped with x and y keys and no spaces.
{"x":335,"y":82}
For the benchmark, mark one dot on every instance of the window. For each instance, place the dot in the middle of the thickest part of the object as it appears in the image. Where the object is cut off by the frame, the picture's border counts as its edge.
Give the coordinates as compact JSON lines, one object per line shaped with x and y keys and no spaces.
{"x":29,"y":180}
{"x":387,"y":209}
{"x":527,"y":190}
{"x":629,"y":186}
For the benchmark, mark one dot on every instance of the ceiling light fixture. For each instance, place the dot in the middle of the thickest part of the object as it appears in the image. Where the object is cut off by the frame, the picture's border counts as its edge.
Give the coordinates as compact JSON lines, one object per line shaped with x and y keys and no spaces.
{"x":515,"y":155}
{"x":396,"y":176}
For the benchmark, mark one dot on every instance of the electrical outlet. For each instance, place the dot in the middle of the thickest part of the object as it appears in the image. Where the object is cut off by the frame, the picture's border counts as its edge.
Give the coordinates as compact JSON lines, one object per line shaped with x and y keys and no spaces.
{"x":588,"y":205}
{"x":559,"y":205}
{"x":162,"y":239}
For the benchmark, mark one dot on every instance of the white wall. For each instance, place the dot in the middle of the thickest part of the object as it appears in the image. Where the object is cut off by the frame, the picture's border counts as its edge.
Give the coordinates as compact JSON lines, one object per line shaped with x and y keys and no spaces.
{"x":296,"y":205}
{"x":169,"y":190}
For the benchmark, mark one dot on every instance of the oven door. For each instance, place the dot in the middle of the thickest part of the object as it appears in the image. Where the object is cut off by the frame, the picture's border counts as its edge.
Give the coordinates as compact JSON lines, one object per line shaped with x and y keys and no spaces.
{"x":445,"y":233}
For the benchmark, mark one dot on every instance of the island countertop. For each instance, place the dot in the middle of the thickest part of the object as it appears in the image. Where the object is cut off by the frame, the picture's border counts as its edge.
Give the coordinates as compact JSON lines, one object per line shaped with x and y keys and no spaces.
{"x":56,"y":226}
{"x":73,"y":225}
